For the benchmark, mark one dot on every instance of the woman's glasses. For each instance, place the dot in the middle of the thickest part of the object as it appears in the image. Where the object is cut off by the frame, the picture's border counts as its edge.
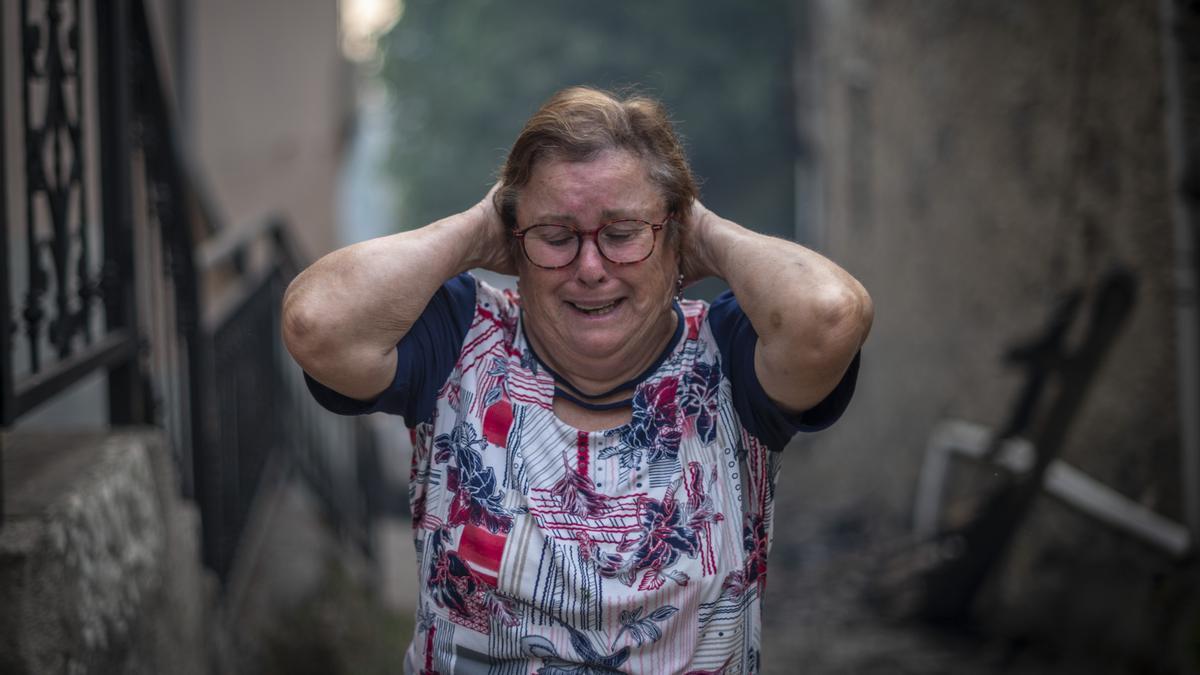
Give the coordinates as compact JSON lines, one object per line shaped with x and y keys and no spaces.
{"x":623,"y":242}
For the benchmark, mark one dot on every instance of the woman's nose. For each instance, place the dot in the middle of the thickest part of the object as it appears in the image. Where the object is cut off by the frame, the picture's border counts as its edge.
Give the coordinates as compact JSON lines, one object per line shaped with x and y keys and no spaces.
{"x":591,"y":267}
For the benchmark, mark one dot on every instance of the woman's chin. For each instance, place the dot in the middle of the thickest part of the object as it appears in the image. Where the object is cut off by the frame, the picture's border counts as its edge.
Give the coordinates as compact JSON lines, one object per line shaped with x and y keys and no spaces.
{"x":598,"y":334}
{"x":597,"y":344}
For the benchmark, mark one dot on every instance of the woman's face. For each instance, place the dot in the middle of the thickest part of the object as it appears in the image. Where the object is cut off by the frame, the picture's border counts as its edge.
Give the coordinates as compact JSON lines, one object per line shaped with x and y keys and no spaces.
{"x":595,"y":312}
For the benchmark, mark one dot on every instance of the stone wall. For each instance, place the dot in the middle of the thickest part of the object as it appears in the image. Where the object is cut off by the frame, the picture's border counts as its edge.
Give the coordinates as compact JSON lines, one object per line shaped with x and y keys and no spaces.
{"x":974,"y":161}
{"x":99,"y":558}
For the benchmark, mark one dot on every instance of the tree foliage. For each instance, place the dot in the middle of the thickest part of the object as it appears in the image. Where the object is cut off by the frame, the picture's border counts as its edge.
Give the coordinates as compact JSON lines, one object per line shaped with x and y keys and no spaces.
{"x":466,"y":74}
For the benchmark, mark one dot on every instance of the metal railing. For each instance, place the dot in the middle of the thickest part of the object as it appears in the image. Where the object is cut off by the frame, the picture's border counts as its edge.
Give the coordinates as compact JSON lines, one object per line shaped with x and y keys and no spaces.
{"x":70,"y":316}
{"x":121,"y":294}
{"x":66,"y":293}
{"x":259,"y":404}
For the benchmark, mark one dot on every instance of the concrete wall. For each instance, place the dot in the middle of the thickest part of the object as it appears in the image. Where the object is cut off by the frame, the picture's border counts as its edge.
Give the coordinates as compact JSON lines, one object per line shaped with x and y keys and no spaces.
{"x":99,"y":559}
{"x":975,"y":160}
{"x":268,"y":97}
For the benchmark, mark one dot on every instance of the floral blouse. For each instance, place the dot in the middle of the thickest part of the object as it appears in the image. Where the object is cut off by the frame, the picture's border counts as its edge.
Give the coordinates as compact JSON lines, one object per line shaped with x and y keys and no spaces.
{"x":543,"y":548}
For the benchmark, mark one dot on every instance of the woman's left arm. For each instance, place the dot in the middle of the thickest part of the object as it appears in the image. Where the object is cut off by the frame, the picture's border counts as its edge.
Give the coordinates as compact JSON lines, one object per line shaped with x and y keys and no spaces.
{"x":811,"y":316}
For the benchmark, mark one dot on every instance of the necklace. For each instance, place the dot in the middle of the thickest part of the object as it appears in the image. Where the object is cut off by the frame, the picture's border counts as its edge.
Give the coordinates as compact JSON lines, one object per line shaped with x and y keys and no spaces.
{"x":580,"y":398}
{"x":600,"y":407}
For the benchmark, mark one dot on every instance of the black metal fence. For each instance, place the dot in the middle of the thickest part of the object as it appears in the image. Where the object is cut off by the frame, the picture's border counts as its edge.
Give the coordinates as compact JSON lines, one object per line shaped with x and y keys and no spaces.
{"x":113,"y":264}
{"x":259,"y":409}
{"x":72,"y":313}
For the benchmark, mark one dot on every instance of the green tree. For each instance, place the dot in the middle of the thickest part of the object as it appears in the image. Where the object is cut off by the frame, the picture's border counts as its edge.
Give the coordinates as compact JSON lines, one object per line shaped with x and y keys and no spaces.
{"x":466,"y":74}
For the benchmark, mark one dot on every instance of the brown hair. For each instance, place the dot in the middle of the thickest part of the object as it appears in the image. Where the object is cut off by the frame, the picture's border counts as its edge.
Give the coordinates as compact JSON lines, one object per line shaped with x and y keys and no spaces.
{"x":579,"y":123}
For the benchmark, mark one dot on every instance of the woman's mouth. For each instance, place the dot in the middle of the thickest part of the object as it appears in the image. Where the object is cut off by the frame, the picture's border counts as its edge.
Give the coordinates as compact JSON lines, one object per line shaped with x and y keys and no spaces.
{"x":592,"y":309}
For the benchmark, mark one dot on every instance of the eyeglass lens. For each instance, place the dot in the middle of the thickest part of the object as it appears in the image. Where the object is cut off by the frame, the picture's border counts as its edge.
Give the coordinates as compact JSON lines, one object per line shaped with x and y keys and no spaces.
{"x":622,"y":241}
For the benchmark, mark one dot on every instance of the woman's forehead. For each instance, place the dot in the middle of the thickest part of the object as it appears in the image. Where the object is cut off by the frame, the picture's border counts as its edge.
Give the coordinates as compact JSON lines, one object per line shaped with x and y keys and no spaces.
{"x":615,"y":184}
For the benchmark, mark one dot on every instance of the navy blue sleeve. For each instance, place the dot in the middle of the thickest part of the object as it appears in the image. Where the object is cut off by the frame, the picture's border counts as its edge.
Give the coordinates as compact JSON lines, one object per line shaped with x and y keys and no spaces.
{"x":424,"y":358}
{"x":736,"y":339}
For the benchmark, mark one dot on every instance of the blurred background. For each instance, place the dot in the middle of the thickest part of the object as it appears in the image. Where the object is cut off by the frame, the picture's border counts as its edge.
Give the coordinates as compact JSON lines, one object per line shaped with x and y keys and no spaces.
{"x":1015,"y":488}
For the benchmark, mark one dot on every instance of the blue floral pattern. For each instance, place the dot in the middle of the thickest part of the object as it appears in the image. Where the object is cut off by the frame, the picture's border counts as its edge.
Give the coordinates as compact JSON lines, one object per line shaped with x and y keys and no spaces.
{"x":591,"y":660}
{"x":701,"y":402}
{"x":476,"y":498}
{"x":654,"y":428}
{"x":670,"y":528}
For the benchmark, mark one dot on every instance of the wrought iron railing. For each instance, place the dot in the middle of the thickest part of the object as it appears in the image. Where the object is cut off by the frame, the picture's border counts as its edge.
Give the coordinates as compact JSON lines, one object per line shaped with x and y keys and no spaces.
{"x":66,"y":293}
{"x":187,"y":335}
{"x":67,"y":318}
{"x":259,"y":405}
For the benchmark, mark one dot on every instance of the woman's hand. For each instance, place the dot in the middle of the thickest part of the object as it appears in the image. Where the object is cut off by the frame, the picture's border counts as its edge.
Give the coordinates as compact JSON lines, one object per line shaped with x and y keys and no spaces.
{"x":344,"y":315}
{"x":696,"y":259}
{"x":493,"y":247}
{"x":810,"y":315}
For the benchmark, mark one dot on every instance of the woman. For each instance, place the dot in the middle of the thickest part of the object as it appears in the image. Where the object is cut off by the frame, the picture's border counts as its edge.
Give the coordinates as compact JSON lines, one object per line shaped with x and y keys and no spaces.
{"x":594,"y":458}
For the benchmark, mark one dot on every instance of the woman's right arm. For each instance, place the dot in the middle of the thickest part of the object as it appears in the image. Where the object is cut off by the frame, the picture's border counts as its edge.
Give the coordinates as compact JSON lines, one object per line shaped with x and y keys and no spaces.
{"x":343,"y":316}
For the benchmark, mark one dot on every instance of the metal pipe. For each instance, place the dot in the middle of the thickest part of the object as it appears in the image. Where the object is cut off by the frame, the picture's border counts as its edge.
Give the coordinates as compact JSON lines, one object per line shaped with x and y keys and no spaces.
{"x":806,"y":165}
{"x":1070,"y":485}
{"x":1107,"y":505}
{"x":114,"y":116}
{"x":6,"y":377}
{"x":971,"y":440}
{"x":1183,"y":154}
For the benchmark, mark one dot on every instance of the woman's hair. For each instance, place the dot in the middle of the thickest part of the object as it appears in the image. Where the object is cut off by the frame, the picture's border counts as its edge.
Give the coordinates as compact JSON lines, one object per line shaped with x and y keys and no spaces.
{"x":579,"y":123}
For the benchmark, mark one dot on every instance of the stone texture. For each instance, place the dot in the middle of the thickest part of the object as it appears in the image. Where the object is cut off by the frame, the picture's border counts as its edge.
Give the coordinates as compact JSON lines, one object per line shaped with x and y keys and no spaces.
{"x":976,"y":160}
{"x":99,"y":565}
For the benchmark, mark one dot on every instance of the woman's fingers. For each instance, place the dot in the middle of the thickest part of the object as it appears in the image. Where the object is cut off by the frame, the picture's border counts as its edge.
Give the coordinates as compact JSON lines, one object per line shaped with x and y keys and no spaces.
{"x":494,"y":242}
{"x":695,"y":261}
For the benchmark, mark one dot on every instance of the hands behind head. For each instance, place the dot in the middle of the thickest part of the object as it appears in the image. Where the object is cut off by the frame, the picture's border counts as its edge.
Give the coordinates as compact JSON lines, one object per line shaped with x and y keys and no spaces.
{"x":696,"y":260}
{"x":493,"y":247}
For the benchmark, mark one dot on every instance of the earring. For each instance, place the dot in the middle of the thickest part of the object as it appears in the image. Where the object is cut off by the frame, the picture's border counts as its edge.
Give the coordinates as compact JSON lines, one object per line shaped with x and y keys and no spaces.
{"x":679,"y":288}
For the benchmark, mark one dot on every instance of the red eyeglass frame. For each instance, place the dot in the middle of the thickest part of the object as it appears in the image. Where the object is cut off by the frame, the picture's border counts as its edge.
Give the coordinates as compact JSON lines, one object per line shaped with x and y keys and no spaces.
{"x":580,"y":235}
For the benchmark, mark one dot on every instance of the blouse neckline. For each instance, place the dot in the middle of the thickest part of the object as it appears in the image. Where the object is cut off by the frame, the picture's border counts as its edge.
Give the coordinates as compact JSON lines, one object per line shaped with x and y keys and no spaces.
{"x":634,"y":383}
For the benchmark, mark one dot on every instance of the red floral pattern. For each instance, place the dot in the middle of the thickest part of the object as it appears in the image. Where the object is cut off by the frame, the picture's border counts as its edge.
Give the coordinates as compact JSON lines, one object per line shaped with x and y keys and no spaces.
{"x":574,"y":551}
